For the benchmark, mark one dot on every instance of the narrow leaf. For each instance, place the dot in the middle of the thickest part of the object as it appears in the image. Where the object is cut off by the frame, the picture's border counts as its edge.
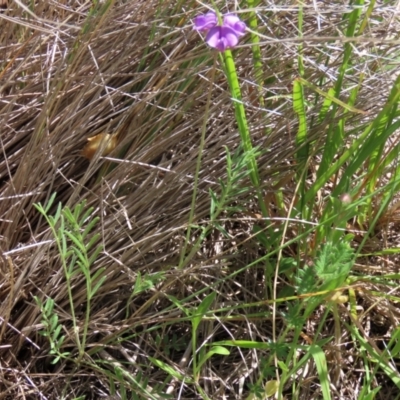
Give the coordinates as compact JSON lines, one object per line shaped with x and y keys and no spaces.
{"x":202,"y":309}
{"x":320,"y":362}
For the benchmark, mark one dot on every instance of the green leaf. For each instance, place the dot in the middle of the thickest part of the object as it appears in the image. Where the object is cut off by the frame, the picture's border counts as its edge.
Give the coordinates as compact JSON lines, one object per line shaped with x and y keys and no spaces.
{"x":77,"y":240}
{"x":245,"y":344}
{"x":202,"y":309}
{"x":326,"y":104}
{"x":50,"y":203}
{"x":261,"y":236}
{"x":90,"y":225}
{"x":38,"y":302}
{"x":138,"y":288}
{"x":283,"y":366}
{"x":56,"y":360}
{"x":92,"y":241}
{"x":49,"y":306}
{"x":78,"y":210}
{"x":81,"y":258}
{"x":386,"y":367}
{"x":97,"y":286}
{"x":299,"y":108}
{"x":97,"y":274}
{"x":213,"y":202}
{"x":68,"y":215}
{"x":271,"y":388}
{"x":214,"y":350}
{"x":168,"y":369}
{"x":53,"y":322}
{"x":371,"y":395}
{"x":83,"y":219}
{"x":63,"y":245}
{"x":56,"y":332}
{"x":95,"y":254}
{"x":57,"y":214}
{"x":334,"y":263}
{"x":177,"y":303}
{"x":60,"y":341}
{"x":221,"y":229}
{"x":395,"y":339}
{"x":331,"y":97}
{"x":72,"y":270}
{"x":306,"y":280}
{"x":320,"y":362}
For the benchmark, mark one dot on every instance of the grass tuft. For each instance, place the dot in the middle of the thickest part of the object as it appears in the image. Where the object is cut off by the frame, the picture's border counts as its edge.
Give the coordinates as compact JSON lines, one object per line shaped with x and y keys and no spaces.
{"x":236,"y":234}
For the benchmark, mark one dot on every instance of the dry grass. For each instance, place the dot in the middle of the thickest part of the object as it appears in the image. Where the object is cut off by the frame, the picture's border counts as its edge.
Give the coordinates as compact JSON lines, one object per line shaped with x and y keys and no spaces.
{"x":144,"y":76}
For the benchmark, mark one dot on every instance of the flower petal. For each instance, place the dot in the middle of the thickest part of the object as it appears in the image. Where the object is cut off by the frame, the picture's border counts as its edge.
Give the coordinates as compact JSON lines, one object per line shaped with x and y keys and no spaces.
{"x":222,"y":38}
{"x":233,"y":21}
{"x":205,"y":21}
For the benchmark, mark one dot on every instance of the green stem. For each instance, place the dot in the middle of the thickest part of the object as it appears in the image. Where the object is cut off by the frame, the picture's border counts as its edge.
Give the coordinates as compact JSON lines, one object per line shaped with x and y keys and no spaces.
{"x":244,"y":132}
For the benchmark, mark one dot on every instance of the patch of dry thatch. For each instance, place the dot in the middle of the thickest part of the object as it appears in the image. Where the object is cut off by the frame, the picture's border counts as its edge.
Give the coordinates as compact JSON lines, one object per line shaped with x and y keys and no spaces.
{"x":144,"y":76}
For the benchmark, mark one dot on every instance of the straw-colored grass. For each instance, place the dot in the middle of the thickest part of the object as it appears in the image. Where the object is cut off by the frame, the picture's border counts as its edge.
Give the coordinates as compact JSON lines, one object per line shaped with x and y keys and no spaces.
{"x":136,"y":69}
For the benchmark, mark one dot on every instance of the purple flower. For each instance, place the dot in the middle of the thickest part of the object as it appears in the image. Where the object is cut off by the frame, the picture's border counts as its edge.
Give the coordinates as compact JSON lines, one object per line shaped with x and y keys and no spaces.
{"x":233,"y":22}
{"x":206,"y":21}
{"x":220,"y":37}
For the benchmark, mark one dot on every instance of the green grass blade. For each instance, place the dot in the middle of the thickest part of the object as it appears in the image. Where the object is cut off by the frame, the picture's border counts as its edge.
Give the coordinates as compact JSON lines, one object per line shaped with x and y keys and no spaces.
{"x":321,"y":364}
